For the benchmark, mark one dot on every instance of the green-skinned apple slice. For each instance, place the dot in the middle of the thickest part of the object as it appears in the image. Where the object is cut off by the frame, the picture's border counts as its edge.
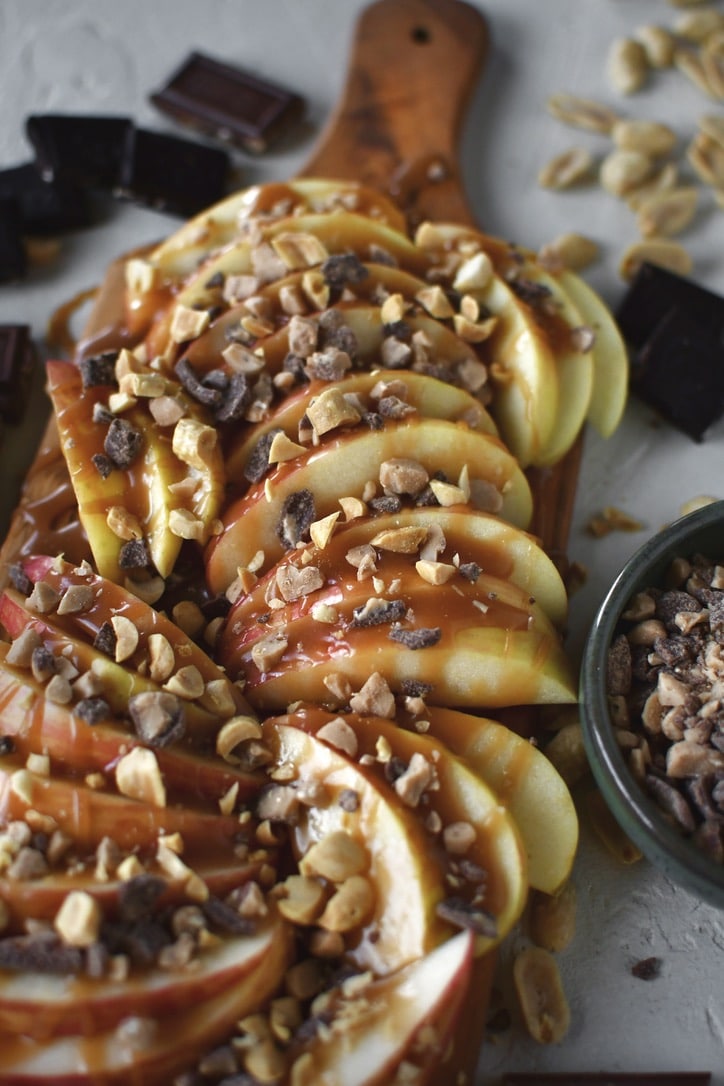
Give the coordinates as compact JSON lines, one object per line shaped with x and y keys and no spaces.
{"x":610,"y":357}
{"x":458,"y":795}
{"x":175,"y":1044}
{"x":403,"y":869}
{"x":148,"y":488}
{"x":430,"y":398}
{"x":526,"y":783}
{"x":409,"y":1016}
{"x":42,"y":1006}
{"x":343,"y":466}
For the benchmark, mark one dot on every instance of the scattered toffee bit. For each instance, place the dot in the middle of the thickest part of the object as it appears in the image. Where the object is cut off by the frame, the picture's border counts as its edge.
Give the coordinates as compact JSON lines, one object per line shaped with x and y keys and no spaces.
{"x":227,"y":102}
{"x":462,"y":914}
{"x":83,"y":149}
{"x":105,"y":640}
{"x":99,"y":369}
{"x":663,"y":674}
{"x":421,"y":638}
{"x":171,"y":174}
{"x":122,"y":443}
{"x":647,"y":968}
{"x":17,"y":358}
{"x":298,"y":513}
{"x":46,"y":208}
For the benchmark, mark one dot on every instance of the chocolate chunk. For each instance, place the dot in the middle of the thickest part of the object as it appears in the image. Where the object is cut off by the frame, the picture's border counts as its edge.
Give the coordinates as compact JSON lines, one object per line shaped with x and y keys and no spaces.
{"x":105,"y":640}
{"x":13,"y":258}
{"x":103,"y":464}
{"x":123,"y":443}
{"x":462,"y":914}
{"x":39,"y":953}
{"x":7,"y":745}
{"x":92,"y":710}
{"x":679,"y":371}
{"x":376,"y":612}
{"x":158,"y":717}
{"x":19,"y":579}
{"x":386,"y":503}
{"x":171,"y":174}
{"x":416,"y":688}
{"x":138,"y":895}
{"x":421,"y":638}
{"x":46,"y":207}
{"x":84,"y":149}
{"x":202,"y":393}
{"x":470,"y":571}
{"x":134,"y":555}
{"x":228,"y":103}
{"x":17,"y":359}
{"x":654,"y":293}
{"x":343,"y":269}
{"x":99,"y":369}
{"x":297,"y":515}
{"x":234,"y":400}
{"x":258,"y":463}
{"x":225,"y":919}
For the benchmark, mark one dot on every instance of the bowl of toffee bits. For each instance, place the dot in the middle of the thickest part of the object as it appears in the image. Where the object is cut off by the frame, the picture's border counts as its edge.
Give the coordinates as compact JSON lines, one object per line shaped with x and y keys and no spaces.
{"x":652,"y":701}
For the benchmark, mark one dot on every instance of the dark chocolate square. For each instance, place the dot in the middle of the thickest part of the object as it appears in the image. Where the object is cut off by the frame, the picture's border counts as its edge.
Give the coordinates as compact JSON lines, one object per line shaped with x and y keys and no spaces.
{"x":84,"y":150}
{"x":17,"y":357}
{"x":47,"y":207}
{"x":227,"y":102}
{"x":679,"y":371}
{"x":653,"y":293}
{"x":172,"y":174}
{"x":13,"y":259}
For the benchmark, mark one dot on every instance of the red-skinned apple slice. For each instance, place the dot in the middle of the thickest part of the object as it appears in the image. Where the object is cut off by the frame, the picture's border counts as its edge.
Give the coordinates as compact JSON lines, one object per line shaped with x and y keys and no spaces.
{"x":117,"y":1058}
{"x":42,"y":1006}
{"x":40,"y":726}
{"x":407,"y":1016}
{"x":525,"y":782}
{"x":404,"y":868}
{"x":87,"y":815}
{"x":458,"y":795}
{"x":343,"y":466}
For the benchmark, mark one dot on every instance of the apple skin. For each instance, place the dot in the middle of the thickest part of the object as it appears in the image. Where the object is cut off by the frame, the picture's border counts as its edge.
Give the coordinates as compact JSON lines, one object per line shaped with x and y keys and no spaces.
{"x":525,"y":782}
{"x":42,"y":1006}
{"x":399,"y":1012}
{"x":177,"y":1042}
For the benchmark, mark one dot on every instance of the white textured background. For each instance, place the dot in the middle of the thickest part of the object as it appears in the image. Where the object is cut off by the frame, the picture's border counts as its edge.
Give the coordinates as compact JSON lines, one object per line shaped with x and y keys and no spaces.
{"x":99,"y":56}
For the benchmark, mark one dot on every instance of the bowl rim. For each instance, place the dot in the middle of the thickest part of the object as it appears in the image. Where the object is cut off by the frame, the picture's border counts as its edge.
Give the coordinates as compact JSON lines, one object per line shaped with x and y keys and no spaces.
{"x":639,"y":816}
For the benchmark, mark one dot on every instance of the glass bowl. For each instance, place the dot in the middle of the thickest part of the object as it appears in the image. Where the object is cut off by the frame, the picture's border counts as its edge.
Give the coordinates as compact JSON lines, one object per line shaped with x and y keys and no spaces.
{"x":673,"y":853}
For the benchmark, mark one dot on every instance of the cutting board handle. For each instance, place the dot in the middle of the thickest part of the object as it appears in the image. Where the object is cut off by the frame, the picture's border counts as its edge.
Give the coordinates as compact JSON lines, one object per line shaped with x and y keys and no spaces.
{"x":412,"y":69}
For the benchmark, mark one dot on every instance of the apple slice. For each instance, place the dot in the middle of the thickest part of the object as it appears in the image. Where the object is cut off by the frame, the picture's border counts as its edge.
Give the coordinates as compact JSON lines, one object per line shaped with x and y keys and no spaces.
{"x":175,"y":1042}
{"x":403,"y":868}
{"x":38,"y":725}
{"x":430,"y":398}
{"x":343,"y":466}
{"x":525,"y":782}
{"x":408,"y":1016}
{"x":87,"y":815}
{"x":41,"y":1006}
{"x":457,"y":795}
{"x":610,"y":357}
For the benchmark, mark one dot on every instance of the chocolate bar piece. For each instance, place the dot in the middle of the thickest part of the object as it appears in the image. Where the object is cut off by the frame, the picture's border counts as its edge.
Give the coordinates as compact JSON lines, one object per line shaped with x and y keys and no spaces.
{"x":84,"y":150}
{"x":47,"y":207}
{"x":604,"y":1078}
{"x":13,"y":259}
{"x":17,"y":357}
{"x":228,"y":103}
{"x":653,"y":293}
{"x":172,"y":174}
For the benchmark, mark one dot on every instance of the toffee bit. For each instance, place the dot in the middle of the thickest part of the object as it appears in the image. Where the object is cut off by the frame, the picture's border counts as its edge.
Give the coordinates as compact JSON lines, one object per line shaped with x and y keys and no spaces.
{"x":134,"y":555}
{"x":105,"y":640}
{"x":122,"y":443}
{"x":203,"y":394}
{"x":376,"y":612}
{"x":158,"y":717}
{"x":92,"y":710}
{"x":462,"y":914}
{"x":99,"y":369}
{"x":298,"y":514}
{"x":103,"y":464}
{"x":422,"y":638}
